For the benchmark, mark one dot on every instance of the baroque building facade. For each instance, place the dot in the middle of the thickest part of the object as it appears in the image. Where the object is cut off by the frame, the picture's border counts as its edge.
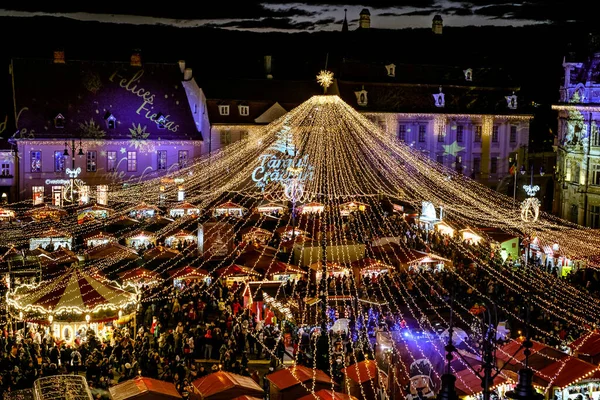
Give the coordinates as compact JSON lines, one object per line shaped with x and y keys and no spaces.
{"x":578,"y":142}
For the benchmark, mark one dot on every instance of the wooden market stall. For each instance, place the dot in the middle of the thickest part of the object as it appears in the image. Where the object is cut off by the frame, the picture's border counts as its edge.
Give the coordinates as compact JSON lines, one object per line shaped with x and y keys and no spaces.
{"x":6,"y":215}
{"x":352,"y":206}
{"x":139,"y":276}
{"x":292,"y":382}
{"x":74,"y":301}
{"x":470,"y":236}
{"x":368,"y":267}
{"x":183,"y":209}
{"x":281,"y":271}
{"x":140,"y":239}
{"x":144,"y":211}
{"x":143,"y":388}
{"x":363,"y":380}
{"x":334,"y":269}
{"x":180,"y":237}
{"x":229,"y":209}
{"x":256,"y":235}
{"x":236,"y":273}
{"x":469,"y":384}
{"x":45,"y":212}
{"x":188,"y":273}
{"x":564,"y":378}
{"x":312,"y":208}
{"x":587,"y":347}
{"x":51,"y":240}
{"x":444,"y":228}
{"x":93,"y":213}
{"x":111,"y":250}
{"x":271,"y":208}
{"x":223,"y":385}
{"x":98,"y":238}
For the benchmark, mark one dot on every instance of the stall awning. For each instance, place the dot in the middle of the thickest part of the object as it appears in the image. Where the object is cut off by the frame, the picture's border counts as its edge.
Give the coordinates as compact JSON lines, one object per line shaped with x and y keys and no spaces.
{"x":470,"y":384}
{"x":188,"y":272}
{"x":138,"y":273}
{"x":588,"y":344}
{"x":567,"y":371}
{"x":236,"y":269}
{"x":292,"y":376}
{"x":223,"y":385}
{"x":325,"y":394}
{"x":145,"y":389}
{"x":362,"y":372}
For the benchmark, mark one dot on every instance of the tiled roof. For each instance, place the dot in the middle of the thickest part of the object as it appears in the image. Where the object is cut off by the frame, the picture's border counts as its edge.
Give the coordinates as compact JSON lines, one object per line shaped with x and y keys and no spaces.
{"x":86,"y":92}
{"x":418,"y":98}
{"x":258,"y":94}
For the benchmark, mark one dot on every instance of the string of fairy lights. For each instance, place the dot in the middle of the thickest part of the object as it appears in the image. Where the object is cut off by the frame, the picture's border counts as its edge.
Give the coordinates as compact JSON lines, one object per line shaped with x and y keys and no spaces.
{"x":337,"y":156}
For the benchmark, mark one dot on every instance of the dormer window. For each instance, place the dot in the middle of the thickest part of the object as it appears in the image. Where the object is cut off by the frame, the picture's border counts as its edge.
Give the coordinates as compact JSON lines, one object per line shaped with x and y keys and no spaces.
{"x":468,"y":74}
{"x":224,"y":110}
{"x":361,"y":97}
{"x":391,"y":70}
{"x":244,"y":110}
{"x":439,"y":99}
{"x":111,"y":121}
{"x":161,"y":120}
{"x":59,"y":121}
{"x":511,"y":101}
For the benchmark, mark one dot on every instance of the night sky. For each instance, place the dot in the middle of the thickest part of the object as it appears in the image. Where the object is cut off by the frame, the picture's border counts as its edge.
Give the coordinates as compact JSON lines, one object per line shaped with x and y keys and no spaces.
{"x":296,"y":16}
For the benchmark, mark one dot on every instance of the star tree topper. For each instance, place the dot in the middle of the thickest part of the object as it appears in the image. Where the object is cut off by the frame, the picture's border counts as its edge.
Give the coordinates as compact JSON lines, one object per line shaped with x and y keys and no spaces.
{"x":325,"y":79}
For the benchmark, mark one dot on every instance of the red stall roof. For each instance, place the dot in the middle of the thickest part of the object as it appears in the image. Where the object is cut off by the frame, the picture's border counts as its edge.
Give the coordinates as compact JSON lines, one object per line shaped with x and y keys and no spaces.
{"x":223,"y":385}
{"x":469,"y":383}
{"x":144,"y":388}
{"x":325,"y":394}
{"x":566,"y":371}
{"x":288,"y":377}
{"x":361,"y":372}
{"x":588,"y":344}
{"x":247,"y":398}
{"x":505,"y":352}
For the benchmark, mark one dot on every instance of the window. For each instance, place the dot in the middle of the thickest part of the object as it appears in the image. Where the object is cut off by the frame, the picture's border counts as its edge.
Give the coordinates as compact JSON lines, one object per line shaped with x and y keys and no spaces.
{"x":594,"y":217}
{"x":595,"y":135}
{"x":6,"y":169}
{"x":223,"y":110}
{"x":422,"y":133}
{"x":162,"y":160}
{"x":91,"y":161}
{"x":478,"y":134}
{"x":183,"y":158}
{"x":596,"y":174}
{"x":495,"y":134}
{"x":440,"y":159}
{"x":575,"y":172}
{"x":59,"y":161}
{"x":111,"y":161}
{"x":161,"y":120}
{"x":459,"y":133}
{"x":476,"y":165}
{"x":131,"y":161}
{"x":574,"y":213}
{"x":494,"y":165}
{"x":513,"y":133}
{"x":440,"y":135}
{"x":38,"y":194}
{"x":402,"y":133}
{"x":36,"y":161}
{"x":244,"y":110}
{"x":59,"y":121}
{"x":111,"y":121}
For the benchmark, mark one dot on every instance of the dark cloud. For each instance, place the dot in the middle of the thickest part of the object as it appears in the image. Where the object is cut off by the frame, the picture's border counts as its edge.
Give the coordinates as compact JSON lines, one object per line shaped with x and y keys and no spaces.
{"x":274,"y":23}
{"x":461,"y":11}
{"x":496,"y":11}
{"x":372,"y":4}
{"x":427,"y":11}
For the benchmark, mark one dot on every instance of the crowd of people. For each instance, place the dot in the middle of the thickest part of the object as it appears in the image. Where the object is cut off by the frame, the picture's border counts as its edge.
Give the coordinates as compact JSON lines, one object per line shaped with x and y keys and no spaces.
{"x":187,"y":332}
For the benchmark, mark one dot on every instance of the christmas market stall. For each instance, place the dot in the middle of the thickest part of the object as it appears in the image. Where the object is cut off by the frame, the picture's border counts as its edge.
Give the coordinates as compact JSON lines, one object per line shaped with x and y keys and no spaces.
{"x":256,"y":235}
{"x":327,"y":394}
{"x":98,"y":238}
{"x":368,"y":268}
{"x":352,"y":206}
{"x":51,"y":240}
{"x":281,"y":272}
{"x":143,"y":388}
{"x":92,"y":213}
{"x":229,"y":209}
{"x":144,"y":211}
{"x":140,"y":239}
{"x":71,"y":304}
{"x":45,"y":212}
{"x":296,"y":381}
{"x":570,"y":378}
{"x":180,"y":238}
{"x":236,"y":273}
{"x":444,"y":228}
{"x":188,"y":274}
{"x":223,"y":385}
{"x":552,"y":256}
{"x":312,"y":208}
{"x":111,"y":252}
{"x":362,"y":380}
{"x":470,"y":236}
{"x":287,"y":232}
{"x":139,"y":276}
{"x":6,"y":215}
{"x":183,"y":209}
{"x":587,"y":347}
{"x":334,"y":270}
{"x":271,"y":209}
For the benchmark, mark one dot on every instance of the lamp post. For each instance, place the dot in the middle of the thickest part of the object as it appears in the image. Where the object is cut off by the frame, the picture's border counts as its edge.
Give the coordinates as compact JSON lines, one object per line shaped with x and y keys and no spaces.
{"x":72,"y":148}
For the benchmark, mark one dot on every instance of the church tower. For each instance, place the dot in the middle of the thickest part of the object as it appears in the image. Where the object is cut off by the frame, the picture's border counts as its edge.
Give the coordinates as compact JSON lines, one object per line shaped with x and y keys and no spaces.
{"x":437,"y":24}
{"x":365,"y":19}
{"x":345,"y":24}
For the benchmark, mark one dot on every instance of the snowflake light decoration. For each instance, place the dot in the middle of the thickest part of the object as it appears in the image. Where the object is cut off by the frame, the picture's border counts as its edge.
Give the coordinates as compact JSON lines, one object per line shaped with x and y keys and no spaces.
{"x":325,"y":78}
{"x":530,"y":209}
{"x":531,"y":190}
{"x":139,"y":137}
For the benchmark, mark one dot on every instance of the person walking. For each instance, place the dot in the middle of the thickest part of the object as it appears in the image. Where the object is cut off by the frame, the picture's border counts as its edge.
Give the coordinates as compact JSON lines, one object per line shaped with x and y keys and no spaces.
{"x":75,"y":361}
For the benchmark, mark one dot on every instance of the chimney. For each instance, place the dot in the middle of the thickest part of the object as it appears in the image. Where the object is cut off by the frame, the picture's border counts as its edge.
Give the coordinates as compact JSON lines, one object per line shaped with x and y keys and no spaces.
{"x":59,"y":56}
{"x":182,"y":66}
{"x":136,"y":59}
{"x":268,"y":67}
{"x":187,"y":74}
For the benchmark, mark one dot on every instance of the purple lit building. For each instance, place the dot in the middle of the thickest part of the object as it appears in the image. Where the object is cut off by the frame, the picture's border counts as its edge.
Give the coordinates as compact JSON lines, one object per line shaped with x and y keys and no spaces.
{"x":123,"y":121}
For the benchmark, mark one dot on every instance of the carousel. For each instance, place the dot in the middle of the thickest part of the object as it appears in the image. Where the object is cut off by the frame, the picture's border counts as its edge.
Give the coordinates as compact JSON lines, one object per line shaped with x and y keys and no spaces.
{"x":71,"y":304}
{"x":93,"y":213}
{"x":229,"y":209}
{"x":183,"y":209}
